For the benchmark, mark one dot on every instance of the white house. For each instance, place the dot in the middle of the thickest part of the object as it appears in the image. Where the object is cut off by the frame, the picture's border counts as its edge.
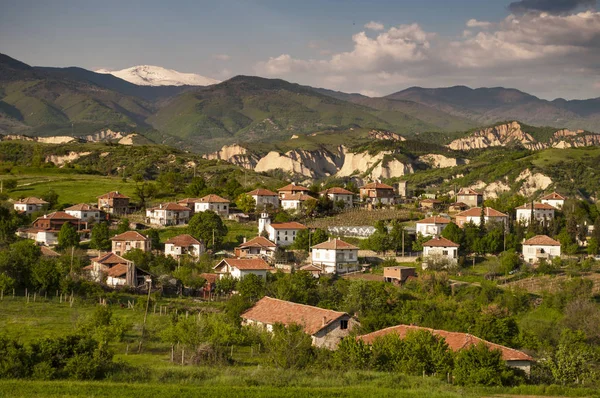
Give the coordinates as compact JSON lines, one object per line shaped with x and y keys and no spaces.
{"x":29,"y":205}
{"x":85,"y":212}
{"x":184,"y":244}
{"x":291,"y":189}
{"x":264,"y":198}
{"x":240,"y":267}
{"x":555,"y":200}
{"x":339,"y":195}
{"x":473,"y":215}
{"x":256,"y":247}
{"x":542,"y":212}
{"x":440,"y":250}
{"x":113,"y":270}
{"x":130,"y":240}
{"x":213,"y":203}
{"x":168,"y":214}
{"x":377,"y":192}
{"x":540,"y":247}
{"x":470,"y":197}
{"x":284,"y":233}
{"x":335,"y":257}
{"x":295,"y":202}
{"x":432,"y":226}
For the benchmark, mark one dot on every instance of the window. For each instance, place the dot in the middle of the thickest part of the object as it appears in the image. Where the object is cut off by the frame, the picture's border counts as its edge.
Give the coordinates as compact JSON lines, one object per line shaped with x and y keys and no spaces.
{"x":344,"y":324}
{"x":444,"y":252}
{"x":317,"y":254}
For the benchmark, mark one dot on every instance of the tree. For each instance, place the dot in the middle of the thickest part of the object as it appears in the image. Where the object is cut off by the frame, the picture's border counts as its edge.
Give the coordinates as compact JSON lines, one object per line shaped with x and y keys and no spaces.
{"x":123,"y":226}
{"x":352,"y":353}
{"x":208,"y":227}
{"x":426,"y":353}
{"x":154,"y":237}
{"x":592,"y":246}
{"x":289,"y":347}
{"x":196,"y":187}
{"x":454,"y":233}
{"x":306,"y":238}
{"x":51,"y":197}
{"x":18,"y":261}
{"x":509,"y":261}
{"x":477,"y":365}
{"x":569,"y":364}
{"x":8,"y":225}
{"x":170,"y":182}
{"x":246,"y":203}
{"x":9,"y":184}
{"x":68,"y":236}
{"x":144,"y":191}
{"x":251,"y":287}
{"x":100,"y":237}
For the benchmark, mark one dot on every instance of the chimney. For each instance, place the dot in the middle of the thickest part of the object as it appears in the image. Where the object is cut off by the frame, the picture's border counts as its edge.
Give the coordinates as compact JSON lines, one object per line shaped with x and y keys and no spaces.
{"x":245,"y":239}
{"x":324,"y":321}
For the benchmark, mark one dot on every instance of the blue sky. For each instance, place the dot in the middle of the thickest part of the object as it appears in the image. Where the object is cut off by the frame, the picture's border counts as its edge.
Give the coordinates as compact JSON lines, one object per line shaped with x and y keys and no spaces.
{"x":427,"y":42}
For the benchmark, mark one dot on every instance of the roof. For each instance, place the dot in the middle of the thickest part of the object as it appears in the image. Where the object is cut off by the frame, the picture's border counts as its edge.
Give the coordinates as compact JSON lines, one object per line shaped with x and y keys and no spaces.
{"x":47,"y":252}
{"x":459,"y":204}
{"x":431,"y":201}
{"x":440,"y":242}
{"x":288,"y":225}
{"x":536,"y":206}
{"x":32,"y":201}
{"x":129,"y":235}
{"x":212,"y":198}
{"x":456,"y":341}
{"x":298,"y":196}
{"x":269,"y":311}
{"x":259,"y":241}
{"x":113,"y":195}
{"x":117,"y":270}
{"x":310,"y":268}
{"x":335,"y":244}
{"x":57,"y":215}
{"x":261,"y":192}
{"x":183,"y":240}
{"x":293,"y":187}
{"x":469,"y":191}
{"x":82,"y":207}
{"x":476,"y":212}
{"x":376,"y":185}
{"x":256,"y":264}
{"x":435,"y":220}
{"x":109,"y":259}
{"x":336,"y":191}
{"x":554,"y":196}
{"x":170,"y":206}
{"x":210,"y":278}
{"x":541,"y":240}
{"x":188,"y":200}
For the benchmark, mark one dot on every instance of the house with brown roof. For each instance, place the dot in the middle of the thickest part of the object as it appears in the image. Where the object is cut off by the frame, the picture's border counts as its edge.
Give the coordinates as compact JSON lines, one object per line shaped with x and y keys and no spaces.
{"x":213,"y":203}
{"x":457,"y":341}
{"x":115,"y":271}
{"x":430,"y":204}
{"x":432,"y":226}
{"x":292,"y":189}
{"x":473,"y":215}
{"x":335,"y":257}
{"x":398,"y":274}
{"x":168,"y":214}
{"x":440,"y":251}
{"x":85,"y":212}
{"x":326,"y":327}
{"x":256,"y":247}
{"x":378,"y":193}
{"x":114,"y":203}
{"x":470,"y":197}
{"x":182,"y":245}
{"x":540,"y":247}
{"x":190,"y":203}
{"x":295,"y":202}
{"x":457,"y":207}
{"x":338,"y":196}
{"x":555,"y":200}
{"x":240,"y":267}
{"x":130,"y":240}
{"x":283,"y":233}
{"x":45,"y":229}
{"x":542,"y":212}
{"x":29,"y":205}
{"x":264,"y":199}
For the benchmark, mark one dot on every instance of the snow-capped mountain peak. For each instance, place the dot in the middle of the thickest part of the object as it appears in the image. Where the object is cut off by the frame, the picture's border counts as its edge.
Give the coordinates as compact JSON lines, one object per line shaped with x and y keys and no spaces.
{"x":149,"y":75}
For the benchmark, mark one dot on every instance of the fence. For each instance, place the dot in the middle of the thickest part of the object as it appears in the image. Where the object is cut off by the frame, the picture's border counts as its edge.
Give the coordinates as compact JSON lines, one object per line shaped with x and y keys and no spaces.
{"x":355,"y":232}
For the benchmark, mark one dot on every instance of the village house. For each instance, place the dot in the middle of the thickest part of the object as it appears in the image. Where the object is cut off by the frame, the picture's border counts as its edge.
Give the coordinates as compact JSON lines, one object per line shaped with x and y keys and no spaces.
{"x":555,"y":200}
{"x":114,"y":203}
{"x":213,"y":203}
{"x":440,"y":251}
{"x":470,"y":197}
{"x":295,"y":202}
{"x":431,"y":204}
{"x":378,"y":193}
{"x":457,"y":341}
{"x":326,"y":327}
{"x":398,"y":274}
{"x":335,"y":257}
{"x":190,"y":203}
{"x":312,"y":269}
{"x":168,"y":214}
{"x":113,"y":270}
{"x":457,"y":207}
{"x":401,"y":188}
{"x":339,"y":195}
{"x":45,"y":229}
{"x":130,"y":240}
{"x":29,"y":205}
{"x":85,"y":212}
{"x":238,"y":268}
{"x":182,"y":245}
{"x":473,"y":215}
{"x":540,"y":247}
{"x":432,"y":226}
{"x":292,"y":189}
{"x":284,"y":233}
{"x":542,"y":212}
{"x":264,"y":199}
{"x":256,"y":247}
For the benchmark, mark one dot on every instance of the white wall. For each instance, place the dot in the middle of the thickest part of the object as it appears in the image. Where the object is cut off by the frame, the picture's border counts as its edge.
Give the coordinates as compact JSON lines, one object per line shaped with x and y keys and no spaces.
{"x":262,"y":201}
{"x":530,"y":252}
{"x":430,"y":229}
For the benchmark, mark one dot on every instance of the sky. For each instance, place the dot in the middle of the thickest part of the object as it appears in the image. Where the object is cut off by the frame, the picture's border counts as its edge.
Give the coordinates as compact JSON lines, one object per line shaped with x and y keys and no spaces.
{"x":549,"y":48}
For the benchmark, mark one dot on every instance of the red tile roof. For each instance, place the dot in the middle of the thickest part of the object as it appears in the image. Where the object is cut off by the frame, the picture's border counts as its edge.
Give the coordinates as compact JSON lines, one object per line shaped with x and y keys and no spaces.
{"x":536,"y":206}
{"x":256,"y":264}
{"x":554,"y":196}
{"x":270,"y":311}
{"x":459,"y":204}
{"x":335,"y":244}
{"x":288,"y":225}
{"x":82,"y":207}
{"x":117,"y":270}
{"x":109,"y":259}
{"x":476,"y":212}
{"x":129,"y":236}
{"x":32,"y":201}
{"x":259,"y":241}
{"x":170,"y":207}
{"x":293,"y":187}
{"x":435,"y":220}
{"x":184,"y":240}
{"x":541,"y":240}
{"x":376,"y":185}
{"x":46,"y":251}
{"x":261,"y":192}
{"x":310,"y":268}
{"x":440,"y":242}
{"x":336,"y":191}
{"x":188,"y":200}
{"x":58,"y":215}
{"x":113,"y":195}
{"x":210,"y":278}
{"x":456,"y":341}
{"x":212,"y":198}
{"x":298,"y":196}
{"x":469,"y":192}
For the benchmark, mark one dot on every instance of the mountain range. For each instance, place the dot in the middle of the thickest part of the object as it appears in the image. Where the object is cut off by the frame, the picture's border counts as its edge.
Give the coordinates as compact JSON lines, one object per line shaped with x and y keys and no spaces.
{"x":149,"y":75}
{"x":44,"y":101}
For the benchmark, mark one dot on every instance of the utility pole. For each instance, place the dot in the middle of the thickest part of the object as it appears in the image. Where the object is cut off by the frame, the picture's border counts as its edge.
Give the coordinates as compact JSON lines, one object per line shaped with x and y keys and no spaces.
{"x":146,"y":313}
{"x":402,"y":241}
{"x":213,"y":233}
{"x":72,"y":253}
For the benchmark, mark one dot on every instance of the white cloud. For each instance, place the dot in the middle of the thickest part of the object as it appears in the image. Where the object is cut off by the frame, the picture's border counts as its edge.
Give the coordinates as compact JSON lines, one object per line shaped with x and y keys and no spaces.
{"x":222,"y":57}
{"x":473,"y":23}
{"x":377,"y":26}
